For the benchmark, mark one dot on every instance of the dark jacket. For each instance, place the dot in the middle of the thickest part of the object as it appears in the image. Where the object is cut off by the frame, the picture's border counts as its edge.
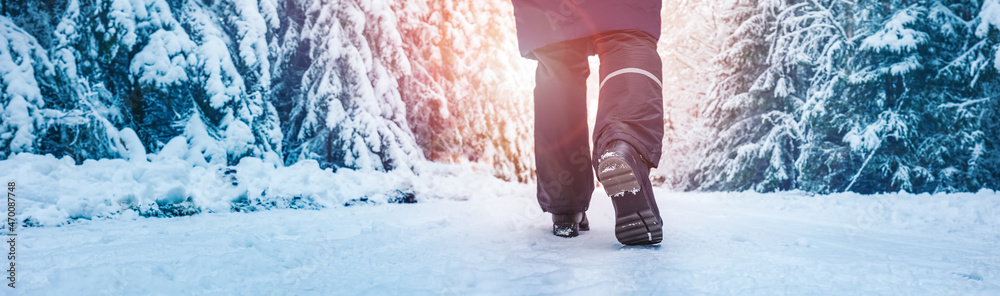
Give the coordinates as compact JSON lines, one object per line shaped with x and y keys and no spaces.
{"x":544,"y":22}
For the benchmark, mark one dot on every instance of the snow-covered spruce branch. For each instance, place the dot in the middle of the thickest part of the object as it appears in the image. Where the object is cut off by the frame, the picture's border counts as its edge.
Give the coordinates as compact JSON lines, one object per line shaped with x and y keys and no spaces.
{"x":854,"y":179}
{"x":829,"y":15}
{"x":809,"y":28}
{"x":959,"y":61}
{"x":789,"y":10}
{"x":789,"y":126}
{"x":962,"y":105}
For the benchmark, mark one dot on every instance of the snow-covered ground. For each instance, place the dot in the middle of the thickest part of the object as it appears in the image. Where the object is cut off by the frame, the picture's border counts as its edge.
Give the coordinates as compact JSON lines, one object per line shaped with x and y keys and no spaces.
{"x":471,"y":234}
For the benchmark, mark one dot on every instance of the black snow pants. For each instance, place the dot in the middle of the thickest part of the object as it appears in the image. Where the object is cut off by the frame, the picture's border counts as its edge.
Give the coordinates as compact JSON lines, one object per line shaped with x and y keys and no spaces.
{"x":630,"y":109}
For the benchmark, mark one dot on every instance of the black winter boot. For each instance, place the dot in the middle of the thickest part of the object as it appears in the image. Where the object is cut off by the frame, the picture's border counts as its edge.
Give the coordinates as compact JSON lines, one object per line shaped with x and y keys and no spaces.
{"x":626,"y":180}
{"x":569,"y":225}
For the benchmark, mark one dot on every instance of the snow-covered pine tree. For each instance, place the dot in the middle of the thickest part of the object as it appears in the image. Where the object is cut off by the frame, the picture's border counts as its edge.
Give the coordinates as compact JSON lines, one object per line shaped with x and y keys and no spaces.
{"x":22,"y":63}
{"x":804,"y":61}
{"x":425,"y":88}
{"x":468,"y":92}
{"x":690,"y":38}
{"x":233,"y":78}
{"x":958,"y":142}
{"x":62,"y":126}
{"x":346,"y":111}
{"x":879,"y":107}
{"x":749,"y":107}
{"x":201,"y":77}
{"x":909,"y":112}
{"x":129,"y":68}
{"x":787,"y":130}
{"x":877,"y":95}
{"x":984,"y":160}
{"x":822,"y":35}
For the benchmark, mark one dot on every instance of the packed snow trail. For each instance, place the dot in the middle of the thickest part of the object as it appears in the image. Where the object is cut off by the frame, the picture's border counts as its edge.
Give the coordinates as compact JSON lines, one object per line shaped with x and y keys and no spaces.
{"x":714,"y":243}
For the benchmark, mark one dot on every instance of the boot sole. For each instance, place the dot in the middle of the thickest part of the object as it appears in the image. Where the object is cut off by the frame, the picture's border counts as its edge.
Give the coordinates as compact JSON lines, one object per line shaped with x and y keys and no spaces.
{"x":617,"y":177}
{"x":635,"y":223}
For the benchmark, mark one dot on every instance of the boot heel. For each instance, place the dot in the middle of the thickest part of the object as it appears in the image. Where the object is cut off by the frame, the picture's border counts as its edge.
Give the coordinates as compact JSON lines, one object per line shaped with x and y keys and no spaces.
{"x":567,"y":225}
{"x":639,"y":228}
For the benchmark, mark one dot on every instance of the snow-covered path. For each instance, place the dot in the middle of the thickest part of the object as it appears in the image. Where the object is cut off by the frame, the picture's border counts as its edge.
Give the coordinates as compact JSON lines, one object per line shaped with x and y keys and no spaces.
{"x":714,"y":243}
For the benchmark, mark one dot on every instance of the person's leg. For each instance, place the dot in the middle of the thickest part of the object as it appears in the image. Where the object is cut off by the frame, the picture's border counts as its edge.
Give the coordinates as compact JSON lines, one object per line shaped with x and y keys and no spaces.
{"x":628,"y":133}
{"x":562,"y":148}
{"x":630,"y":104}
